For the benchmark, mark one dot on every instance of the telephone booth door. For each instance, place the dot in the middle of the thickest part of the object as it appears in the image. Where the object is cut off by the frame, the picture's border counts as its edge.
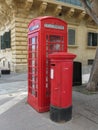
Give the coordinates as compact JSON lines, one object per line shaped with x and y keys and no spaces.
{"x":54,"y":43}
{"x":33,"y":69}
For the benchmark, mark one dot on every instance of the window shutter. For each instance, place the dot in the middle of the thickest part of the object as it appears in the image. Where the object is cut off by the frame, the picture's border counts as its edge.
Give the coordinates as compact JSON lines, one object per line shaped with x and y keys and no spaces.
{"x":8,"y":36}
{"x":6,"y":40}
{"x":92,"y":39}
{"x":2,"y":42}
{"x":71,"y":37}
{"x":89,"y":39}
{"x":95,"y":39}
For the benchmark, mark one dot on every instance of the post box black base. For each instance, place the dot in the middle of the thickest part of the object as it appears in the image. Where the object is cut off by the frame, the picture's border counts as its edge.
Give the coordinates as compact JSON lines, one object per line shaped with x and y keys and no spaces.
{"x":60,"y":114}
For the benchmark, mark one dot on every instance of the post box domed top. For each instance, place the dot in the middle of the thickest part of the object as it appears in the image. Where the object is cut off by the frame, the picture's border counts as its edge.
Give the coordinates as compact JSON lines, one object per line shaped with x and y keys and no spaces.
{"x":62,"y":55}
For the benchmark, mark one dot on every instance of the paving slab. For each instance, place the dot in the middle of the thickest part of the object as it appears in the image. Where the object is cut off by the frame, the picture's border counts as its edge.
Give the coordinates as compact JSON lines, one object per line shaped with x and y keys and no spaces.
{"x":23,"y":117}
{"x":16,"y":114}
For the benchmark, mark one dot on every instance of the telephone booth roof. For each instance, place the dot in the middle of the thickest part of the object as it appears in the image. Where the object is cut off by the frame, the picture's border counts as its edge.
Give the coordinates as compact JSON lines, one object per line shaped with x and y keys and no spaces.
{"x":48,"y":21}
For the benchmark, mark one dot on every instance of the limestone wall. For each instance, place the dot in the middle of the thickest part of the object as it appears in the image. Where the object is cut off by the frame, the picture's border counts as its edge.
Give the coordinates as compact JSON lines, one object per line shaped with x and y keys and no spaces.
{"x":81,"y":49}
{"x":19,"y":41}
{"x":22,"y":15}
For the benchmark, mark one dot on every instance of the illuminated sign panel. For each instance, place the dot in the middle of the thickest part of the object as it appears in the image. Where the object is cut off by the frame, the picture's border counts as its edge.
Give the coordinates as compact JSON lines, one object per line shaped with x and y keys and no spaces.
{"x":54,"y":26}
{"x":32,"y":28}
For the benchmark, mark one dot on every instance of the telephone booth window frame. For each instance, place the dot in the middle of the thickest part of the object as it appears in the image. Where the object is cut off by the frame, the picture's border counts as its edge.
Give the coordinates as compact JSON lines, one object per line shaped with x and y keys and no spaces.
{"x":33,"y":55}
{"x":49,"y":51}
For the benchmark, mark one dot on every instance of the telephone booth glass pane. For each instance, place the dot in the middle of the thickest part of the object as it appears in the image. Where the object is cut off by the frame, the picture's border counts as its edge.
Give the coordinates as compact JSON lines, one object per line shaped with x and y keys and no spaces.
{"x":54,"y":43}
{"x":34,"y":41}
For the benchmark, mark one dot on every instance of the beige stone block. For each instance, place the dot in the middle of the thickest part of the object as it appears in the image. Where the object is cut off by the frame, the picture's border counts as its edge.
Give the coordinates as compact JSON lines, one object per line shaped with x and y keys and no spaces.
{"x":14,"y":56}
{"x":13,"y":40}
{"x":21,"y":30}
{"x":13,"y":52}
{"x":13,"y":35}
{"x":19,"y":47}
{"x":20,"y":67}
{"x":20,"y":43}
{"x":21,"y":56}
{"x":20,"y":34}
{"x":13,"y":21}
{"x":8,"y":50}
{"x":23,"y":15}
{"x":27,"y":21}
{"x":18,"y":19}
{"x":22,"y":20}
{"x":30,"y":16}
{"x":17,"y":52}
{"x":24,"y":43}
{"x":24,"y":60}
{"x":13,"y":43}
{"x":13,"y":30}
{"x":12,"y":26}
{"x":22,"y":25}
{"x":13,"y":59}
{"x":16,"y":61}
{"x":21,"y":39}
{"x":25,"y":52}
{"x":24,"y":35}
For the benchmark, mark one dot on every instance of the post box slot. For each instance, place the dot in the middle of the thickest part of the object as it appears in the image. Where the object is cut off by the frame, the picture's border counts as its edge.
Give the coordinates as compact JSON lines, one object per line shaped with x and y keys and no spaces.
{"x":52,"y":64}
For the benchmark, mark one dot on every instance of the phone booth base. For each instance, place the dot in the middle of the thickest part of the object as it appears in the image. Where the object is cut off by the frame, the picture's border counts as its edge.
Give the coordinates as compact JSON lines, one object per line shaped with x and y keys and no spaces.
{"x":61,"y":69}
{"x":34,"y":103}
{"x":60,"y":114}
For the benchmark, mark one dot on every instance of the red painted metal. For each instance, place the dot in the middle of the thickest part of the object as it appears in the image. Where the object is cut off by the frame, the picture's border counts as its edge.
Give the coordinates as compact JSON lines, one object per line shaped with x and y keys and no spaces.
{"x":45,"y":36}
{"x":61,"y":79}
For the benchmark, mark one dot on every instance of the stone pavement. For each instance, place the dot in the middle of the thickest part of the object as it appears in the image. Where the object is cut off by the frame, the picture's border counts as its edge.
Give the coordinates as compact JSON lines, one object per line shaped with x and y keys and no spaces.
{"x":16,"y":114}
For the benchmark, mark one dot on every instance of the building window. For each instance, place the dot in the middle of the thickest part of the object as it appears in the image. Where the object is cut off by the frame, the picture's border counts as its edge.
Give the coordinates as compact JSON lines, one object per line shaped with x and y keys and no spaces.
{"x":6,"y":40}
{"x":92,"y":39}
{"x":2,"y":42}
{"x":71,"y":37}
{"x":73,"y":2}
{"x":90,"y":61}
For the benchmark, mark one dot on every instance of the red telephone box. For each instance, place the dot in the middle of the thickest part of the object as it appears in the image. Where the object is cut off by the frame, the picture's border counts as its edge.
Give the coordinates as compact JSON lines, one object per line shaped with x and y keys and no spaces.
{"x":45,"y":35}
{"x":61,"y":68}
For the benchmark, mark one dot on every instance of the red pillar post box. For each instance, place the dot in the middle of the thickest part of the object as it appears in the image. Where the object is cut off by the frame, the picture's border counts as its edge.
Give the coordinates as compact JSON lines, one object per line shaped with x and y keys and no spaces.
{"x":61,"y":69}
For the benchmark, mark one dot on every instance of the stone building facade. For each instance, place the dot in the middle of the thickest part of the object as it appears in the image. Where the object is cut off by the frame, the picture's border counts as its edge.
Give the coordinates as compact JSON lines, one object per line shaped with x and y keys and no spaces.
{"x":15,"y":16}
